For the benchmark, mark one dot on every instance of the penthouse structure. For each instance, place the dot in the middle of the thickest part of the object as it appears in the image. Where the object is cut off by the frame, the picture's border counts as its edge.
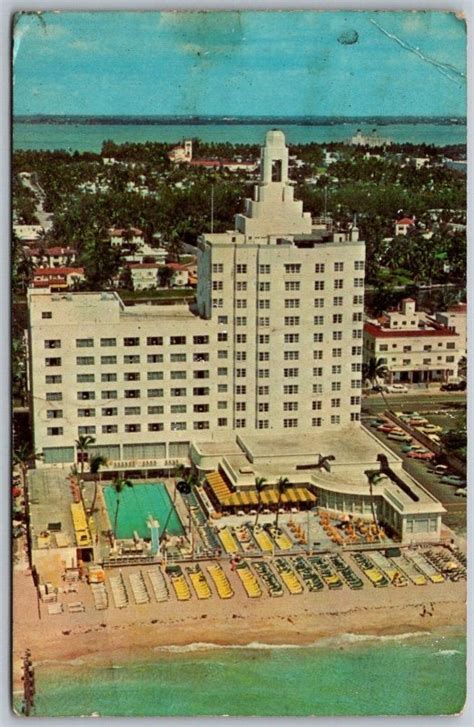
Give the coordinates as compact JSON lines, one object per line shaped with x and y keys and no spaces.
{"x":274,"y":342}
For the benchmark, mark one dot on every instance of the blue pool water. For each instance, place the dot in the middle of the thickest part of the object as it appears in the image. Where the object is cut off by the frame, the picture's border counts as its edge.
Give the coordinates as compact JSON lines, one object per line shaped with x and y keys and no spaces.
{"x":136,"y":504}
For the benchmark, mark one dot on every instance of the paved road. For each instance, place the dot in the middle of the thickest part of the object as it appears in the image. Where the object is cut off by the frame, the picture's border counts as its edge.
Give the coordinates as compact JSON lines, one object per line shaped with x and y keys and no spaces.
{"x":44,"y":218}
{"x":429,"y":401}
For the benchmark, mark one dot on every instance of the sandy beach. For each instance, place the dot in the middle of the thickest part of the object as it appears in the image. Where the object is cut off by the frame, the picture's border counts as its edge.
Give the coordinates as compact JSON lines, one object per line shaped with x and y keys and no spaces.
{"x":135,"y":632}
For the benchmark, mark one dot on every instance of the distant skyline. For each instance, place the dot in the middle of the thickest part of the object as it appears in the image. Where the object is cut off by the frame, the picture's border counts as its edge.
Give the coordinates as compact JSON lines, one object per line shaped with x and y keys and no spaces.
{"x":353,"y":64}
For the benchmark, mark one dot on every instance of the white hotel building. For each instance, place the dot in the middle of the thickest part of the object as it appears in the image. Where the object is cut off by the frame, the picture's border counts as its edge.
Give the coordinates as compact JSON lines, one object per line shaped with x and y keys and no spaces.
{"x":271,"y":353}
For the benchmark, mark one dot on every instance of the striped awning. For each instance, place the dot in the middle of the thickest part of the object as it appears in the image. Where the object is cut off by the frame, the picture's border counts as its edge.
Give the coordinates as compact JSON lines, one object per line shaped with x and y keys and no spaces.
{"x":218,"y":486}
{"x":246,"y":498}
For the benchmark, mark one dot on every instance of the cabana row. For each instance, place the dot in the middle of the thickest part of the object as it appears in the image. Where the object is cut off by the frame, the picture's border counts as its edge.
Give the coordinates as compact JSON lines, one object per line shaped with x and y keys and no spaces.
{"x":225,"y":499}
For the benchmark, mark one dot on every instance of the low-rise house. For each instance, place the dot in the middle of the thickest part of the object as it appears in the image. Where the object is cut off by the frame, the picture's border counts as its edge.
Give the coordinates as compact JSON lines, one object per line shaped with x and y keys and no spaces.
{"x":51,"y":257}
{"x":144,"y":275}
{"x":180,"y":277}
{"x":28,"y":234}
{"x":414,"y":347}
{"x":125,"y":235}
{"x":154,"y":254}
{"x":58,"y":278}
{"x":403,"y":226}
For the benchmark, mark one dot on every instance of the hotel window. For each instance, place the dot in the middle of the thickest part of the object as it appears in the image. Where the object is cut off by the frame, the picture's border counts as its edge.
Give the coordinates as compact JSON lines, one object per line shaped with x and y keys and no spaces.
{"x":356,"y":350}
{"x":85,"y":378}
{"x":54,"y":396}
{"x":290,"y":388}
{"x":338,"y":300}
{"x":290,"y":406}
{"x":199,"y":341}
{"x":290,"y":373}
{"x":201,"y":425}
{"x":154,"y":341}
{"x":336,"y":386}
{"x":222,"y":354}
{"x":335,"y":419}
{"x":198,"y":374}
{"x":263,"y":390}
{"x":290,"y":285}
{"x":318,"y":371}
{"x":262,"y":356}
{"x":355,"y":400}
{"x":222,"y":319}
{"x":111,"y":394}
{"x":53,"y":379}
{"x":173,"y":392}
{"x":262,"y":424}
{"x":290,"y":423}
{"x":132,"y":376}
{"x":358,"y":300}
{"x":319,"y":268}
{"x":158,"y":427}
{"x":289,"y":338}
{"x":356,"y":383}
{"x":201,"y":408}
{"x":449,"y":359}
{"x":86,"y":430}
{"x":355,"y":416}
{"x":130,"y":428}
{"x":336,"y":369}
{"x":241,"y":285}
{"x":316,"y":421}
{"x":263,"y":373}
{"x":158,"y":357}
{"x":357,"y":333}
{"x":86,"y":412}
{"x":406,"y":349}
{"x":84,"y":395}
{"x":241,"y":321}
{"x":319,"y":284}
{"x":450,"y":345}
{"x":289,"y":356}
{"x":239,"y":423}
{"x":132,"y":411}
{"x":264,"y":269}
{"x":427,"y":361}
{"x":263,"y":406}
{"x":337,"y":352}
{"x":46,"y":314}
{"x":197,"y":357}
{"x":222,"y":422}
{"x":339,"y":283}
{"x":383,"y":347}
{"x":263,"y":338}
{"x":52,"y":361}
{"x":54,"y":413}
{"x":317,"y":355}
{"x":292,"y":303}
{"x":181,"y":357}
{"x":108,"y":360}
{"x":55,"y":431}
{"x":292,"y":268}
{"x":357,"y":317}
{"x":222,"y":388}
{"x":242,"y":303}
{"x":131,"y":359}
{"x":108,"y":377}
{"x":84,"y":342}
{"x":222,"y":337}
{"x":317,"y":388}
{"x":338,"y":267}
{"x":109,"y":412}
{"x":358,"y":282}
{"x":337,"y":318}
{"x":241,"y":268}
{"x":217,"y":285}
{"x":52,"y":343}
{"x":337,"y":335}
{"x":132,"y":393}
{"x":406,"y":361}
{"x":156,"y":409}
{"x":108,"y":341}
{"x":265,"y":303}
{"x":177,"y":340}
{"x":201,"y":391}
{"x":240,"y":390}
{"x":109,"y":429}
{"x":335,"y":403}
{"x":240,"y":406}
{"x":217,"y":303}
{"x":175,"y":374}
{"x":177,"y":426}
{"x":217,"y":267}
{"x":359,"y":264}
{"x":222,"y":405}
{"x":317,"y":405}
{"x":131,"y":341}
{"x":292,"y":320}
{"x":263,"y":322}
{"x":242,"y":338}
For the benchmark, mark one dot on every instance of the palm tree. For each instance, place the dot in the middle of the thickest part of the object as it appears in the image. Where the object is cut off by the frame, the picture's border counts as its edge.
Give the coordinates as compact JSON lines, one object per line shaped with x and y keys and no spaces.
{"x":95,"y":464}
{"x":24,"y":457}
{"x":283,"y":484}
{"x":260,"y":485}
{"x":374,"y":370}
{"x":180,"y":474}
{"x":119,"y":484}
{"x":374,"y":477}
{"x":83,"y":442}
{"x":185,"y":487}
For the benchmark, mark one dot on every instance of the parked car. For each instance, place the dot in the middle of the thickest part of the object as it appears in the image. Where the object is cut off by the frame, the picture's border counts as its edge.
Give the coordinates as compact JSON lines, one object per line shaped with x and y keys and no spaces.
{"x":461,"y":492}
{"x":454,"y":386}
{"x":400,"y":436}
{"x":395,"y":389}
{"x":453,"y":480}
{"x":388,"y":428}
{"x":416,"y":454}
{"x":439,"y":469}
{"x":377,"y":422}
{"x":412,"y":448}
{"x":430,"y":429}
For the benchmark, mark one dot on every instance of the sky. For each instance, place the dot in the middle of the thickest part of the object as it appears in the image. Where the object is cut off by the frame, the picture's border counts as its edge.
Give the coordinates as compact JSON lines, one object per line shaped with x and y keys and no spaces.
{"x":241,"y":63}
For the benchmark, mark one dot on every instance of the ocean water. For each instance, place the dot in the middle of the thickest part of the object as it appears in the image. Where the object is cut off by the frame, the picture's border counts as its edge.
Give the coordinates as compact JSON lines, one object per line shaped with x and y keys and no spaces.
{"x":349,"y":675}
{"x":84,"y":137}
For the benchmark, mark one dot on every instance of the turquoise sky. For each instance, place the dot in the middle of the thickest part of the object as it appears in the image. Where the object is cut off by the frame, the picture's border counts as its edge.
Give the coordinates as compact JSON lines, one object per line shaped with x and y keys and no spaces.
{"x":241,"y":63}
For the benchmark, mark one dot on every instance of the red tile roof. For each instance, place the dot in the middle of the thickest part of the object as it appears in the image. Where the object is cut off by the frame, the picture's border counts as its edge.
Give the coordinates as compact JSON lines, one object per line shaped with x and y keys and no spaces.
{"x":58,"y":271}
{"x":378,"y":332}
{"x":405,"y":221}
{"x":138,"y":266}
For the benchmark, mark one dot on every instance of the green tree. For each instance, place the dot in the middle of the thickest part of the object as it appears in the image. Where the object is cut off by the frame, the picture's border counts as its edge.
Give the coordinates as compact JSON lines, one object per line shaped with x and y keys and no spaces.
{"x":83,"y":442}
{"x":374,"y":370}
{"x":260,"y":486}
{"x":283,"y":485}
{"x":95,"y":464}
{"x":119,"y":484}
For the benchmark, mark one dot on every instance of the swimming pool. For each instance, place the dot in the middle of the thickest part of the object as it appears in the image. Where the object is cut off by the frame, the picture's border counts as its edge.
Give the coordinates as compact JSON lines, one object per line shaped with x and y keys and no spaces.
{"x":136,"y":504}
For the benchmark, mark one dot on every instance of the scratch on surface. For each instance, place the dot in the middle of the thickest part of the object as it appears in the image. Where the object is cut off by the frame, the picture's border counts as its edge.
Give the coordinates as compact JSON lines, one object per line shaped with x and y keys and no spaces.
{"x":445,"y":68}
{"x":18,"y":32}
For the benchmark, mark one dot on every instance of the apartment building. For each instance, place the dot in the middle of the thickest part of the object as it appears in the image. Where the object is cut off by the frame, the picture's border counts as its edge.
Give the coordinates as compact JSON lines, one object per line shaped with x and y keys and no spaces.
{"x":273,"y":344}
{"x":414,"y":347}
